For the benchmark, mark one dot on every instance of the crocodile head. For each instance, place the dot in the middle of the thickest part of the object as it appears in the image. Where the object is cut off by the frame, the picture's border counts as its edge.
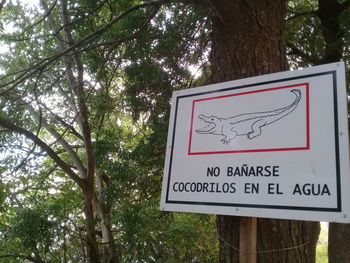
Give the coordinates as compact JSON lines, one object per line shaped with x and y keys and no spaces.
{"x":213,"y":124}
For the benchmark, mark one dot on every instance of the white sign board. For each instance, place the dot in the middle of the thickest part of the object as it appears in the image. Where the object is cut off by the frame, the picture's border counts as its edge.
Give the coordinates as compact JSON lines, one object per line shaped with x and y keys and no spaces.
{"x":270,"y":146}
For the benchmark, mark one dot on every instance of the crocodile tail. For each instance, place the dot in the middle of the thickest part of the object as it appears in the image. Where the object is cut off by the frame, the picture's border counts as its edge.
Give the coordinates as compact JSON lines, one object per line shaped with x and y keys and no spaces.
{"x":270,"y":116}
{"x":297,"y":93}
{"x":295,"y":103}
{"x":280,"y":113}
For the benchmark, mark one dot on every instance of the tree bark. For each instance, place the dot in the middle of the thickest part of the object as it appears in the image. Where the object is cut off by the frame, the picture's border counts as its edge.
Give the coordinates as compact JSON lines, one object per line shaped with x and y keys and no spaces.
{"x":247,"y":40}
{"x":287,"y":240}
{"x":103,"y":212}
{"x":228,"y":229}
{"x":338,"y":243}
{"x":91,"y":243}
{"x":329,"y":13}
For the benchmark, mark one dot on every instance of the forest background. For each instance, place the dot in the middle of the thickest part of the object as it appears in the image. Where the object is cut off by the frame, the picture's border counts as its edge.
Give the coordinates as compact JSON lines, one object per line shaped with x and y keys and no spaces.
{"x":85,"y":90}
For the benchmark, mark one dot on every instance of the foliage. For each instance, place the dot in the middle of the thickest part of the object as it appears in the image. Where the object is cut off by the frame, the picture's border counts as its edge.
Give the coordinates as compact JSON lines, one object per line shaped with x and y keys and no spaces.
{"x":321,"y":254}
{"x":33,"y":229}
{"x":305,"y":33}
{"x":322,"y":245}
{"x":129,"y":74}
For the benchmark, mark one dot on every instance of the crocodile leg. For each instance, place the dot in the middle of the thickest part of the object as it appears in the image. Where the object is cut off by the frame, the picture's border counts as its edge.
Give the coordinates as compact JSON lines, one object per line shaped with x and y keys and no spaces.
{"x":229,"y":135}
{"x":256,"y":129}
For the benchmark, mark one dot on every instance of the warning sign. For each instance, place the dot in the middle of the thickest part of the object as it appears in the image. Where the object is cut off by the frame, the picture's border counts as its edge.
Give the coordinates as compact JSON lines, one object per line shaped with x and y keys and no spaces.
{"x":269,"y":146}
{"x":285,"y":108}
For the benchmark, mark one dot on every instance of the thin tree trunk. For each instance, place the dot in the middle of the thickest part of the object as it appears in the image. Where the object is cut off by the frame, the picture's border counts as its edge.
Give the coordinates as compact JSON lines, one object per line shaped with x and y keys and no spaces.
{"x":91,"y":243}
{"x":247,"y":40}
{"x":103,"y":213}
{"x":74,"y":66}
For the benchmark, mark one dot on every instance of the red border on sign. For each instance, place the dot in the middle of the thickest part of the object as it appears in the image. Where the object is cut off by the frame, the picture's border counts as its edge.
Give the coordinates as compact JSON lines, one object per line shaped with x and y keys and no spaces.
{"x":307,"y":112}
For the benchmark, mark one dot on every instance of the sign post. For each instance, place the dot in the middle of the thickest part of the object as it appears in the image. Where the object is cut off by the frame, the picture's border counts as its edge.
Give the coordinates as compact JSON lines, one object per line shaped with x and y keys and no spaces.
{"x":248,"y":240}
{"x":273,"y":146}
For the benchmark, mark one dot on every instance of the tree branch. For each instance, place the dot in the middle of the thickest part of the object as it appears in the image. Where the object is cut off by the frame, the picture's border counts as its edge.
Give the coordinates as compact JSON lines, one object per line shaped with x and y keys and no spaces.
{"x":117,"y":42}
{"x":346,"y":4}
{"x":63,"y":92}
{"x":16,"y":256}
{"x":299,"y":14}
{"x":2,"y":3}
{"x":53,"y":24}
{"x":80,"y":93}
{"x":34,"y":69}
{"x":65,"y":167}
{"x":47,"y":13}
{"x":54,"y":133}
{"x":24,"y":161}
{"x":62,"y":46}
{"x":58,"y":119}
{"x":329,"y":12}
{"x":294,"y":50}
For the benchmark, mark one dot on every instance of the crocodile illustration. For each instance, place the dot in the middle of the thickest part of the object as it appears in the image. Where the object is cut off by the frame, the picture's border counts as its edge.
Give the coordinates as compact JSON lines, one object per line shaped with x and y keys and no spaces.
{"x":248,"y":124}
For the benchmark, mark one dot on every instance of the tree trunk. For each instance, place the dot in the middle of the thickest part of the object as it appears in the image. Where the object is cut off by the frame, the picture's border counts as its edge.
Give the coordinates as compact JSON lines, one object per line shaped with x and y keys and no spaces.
{"x":247,"y":40}
{"x":103,"y":212}
{"x":338,"y":243}
{"x":329,"y":13}
{"x":228,"y":229}
{"x":91,"y":242}
{"x":287,"y":240}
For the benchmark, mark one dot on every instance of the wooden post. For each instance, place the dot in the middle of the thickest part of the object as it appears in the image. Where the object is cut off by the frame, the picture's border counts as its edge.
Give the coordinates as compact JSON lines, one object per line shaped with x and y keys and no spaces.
{"x":248,"y":240}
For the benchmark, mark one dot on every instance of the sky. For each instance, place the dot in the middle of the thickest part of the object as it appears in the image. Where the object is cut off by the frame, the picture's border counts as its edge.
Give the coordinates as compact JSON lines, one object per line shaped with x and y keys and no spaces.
{"x":30,"y":2}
